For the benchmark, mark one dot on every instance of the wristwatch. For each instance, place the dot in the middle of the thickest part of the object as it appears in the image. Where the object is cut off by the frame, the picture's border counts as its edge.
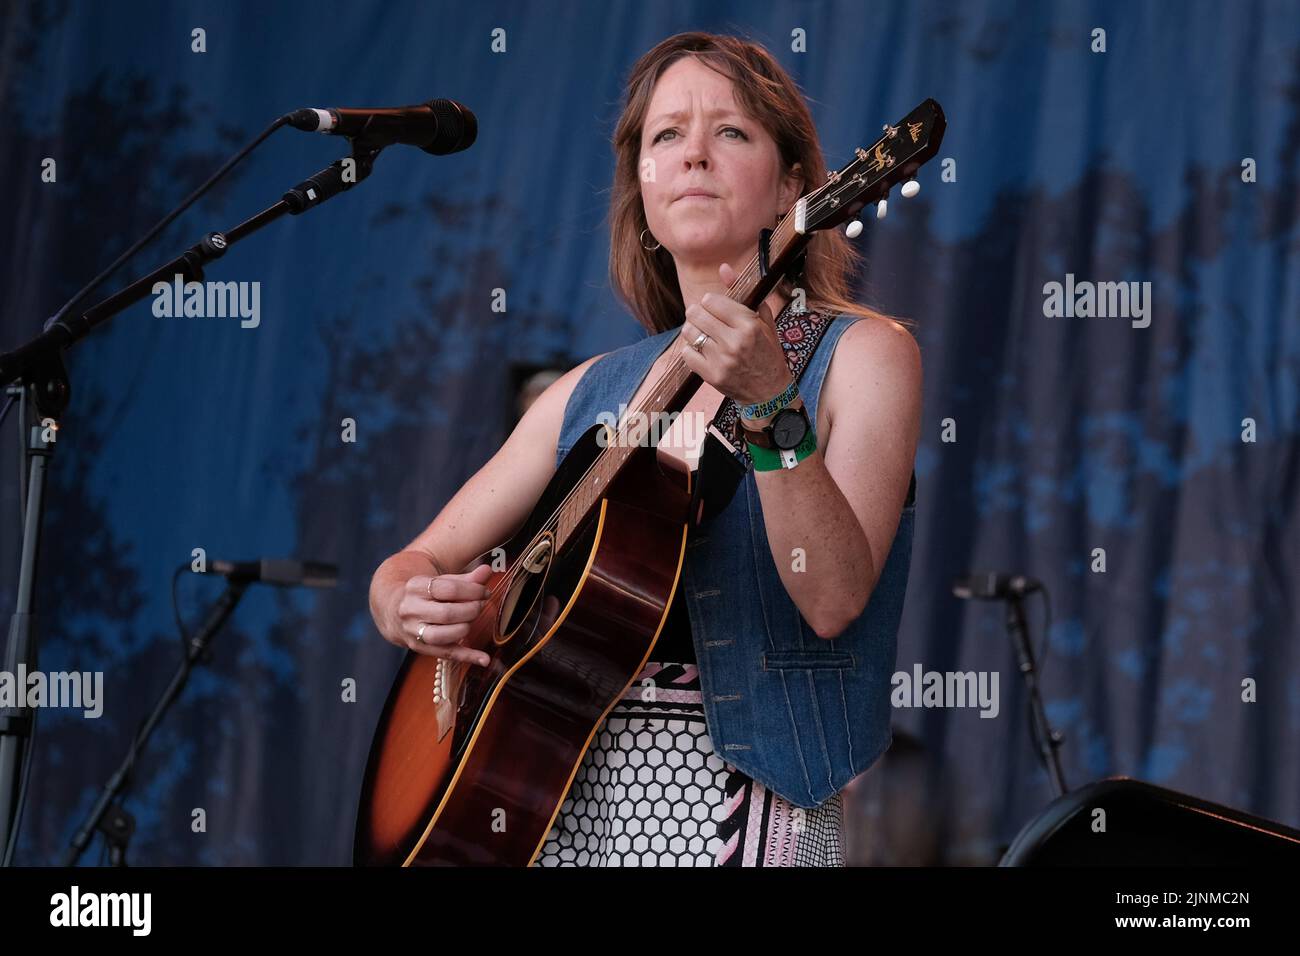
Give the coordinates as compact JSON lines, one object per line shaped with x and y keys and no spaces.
{"x":785,"y":432}
{"x":784,"y":442}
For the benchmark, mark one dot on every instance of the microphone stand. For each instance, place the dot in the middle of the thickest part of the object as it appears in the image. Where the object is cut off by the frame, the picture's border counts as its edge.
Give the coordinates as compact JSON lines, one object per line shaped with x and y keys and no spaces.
{"x":42,"y":380}
{"x":1047,"y":739}
{"x":46,"y":393}
{"x":118,"y":826}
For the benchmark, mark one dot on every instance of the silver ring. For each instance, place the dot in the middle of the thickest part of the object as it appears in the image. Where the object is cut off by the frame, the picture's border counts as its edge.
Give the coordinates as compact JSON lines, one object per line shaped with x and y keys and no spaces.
{"x":698,"y":343}
{"x":419,"y":635}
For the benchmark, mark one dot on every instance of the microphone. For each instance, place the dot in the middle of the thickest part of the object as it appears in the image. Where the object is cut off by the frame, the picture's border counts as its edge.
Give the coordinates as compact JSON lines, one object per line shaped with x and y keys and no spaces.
{"x":283,"y":572}
{"x":994,"y":586}
{"x":438,"y":126}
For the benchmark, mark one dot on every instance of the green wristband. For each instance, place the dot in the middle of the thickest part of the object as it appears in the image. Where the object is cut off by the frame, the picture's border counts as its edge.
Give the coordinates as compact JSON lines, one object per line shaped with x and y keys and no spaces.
{"x":769,"y":459}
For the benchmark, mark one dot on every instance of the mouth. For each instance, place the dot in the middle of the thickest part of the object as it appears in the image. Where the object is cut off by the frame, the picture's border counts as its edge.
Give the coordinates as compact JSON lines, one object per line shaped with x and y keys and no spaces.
{"x":695,"y":194}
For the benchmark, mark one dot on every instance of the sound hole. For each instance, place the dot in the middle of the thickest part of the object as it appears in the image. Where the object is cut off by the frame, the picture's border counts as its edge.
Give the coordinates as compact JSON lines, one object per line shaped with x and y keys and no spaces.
{"x":525,"y":588}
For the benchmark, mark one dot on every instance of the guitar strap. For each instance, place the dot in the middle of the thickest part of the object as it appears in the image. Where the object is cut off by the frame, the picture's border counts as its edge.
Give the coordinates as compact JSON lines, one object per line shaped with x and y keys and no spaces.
{"x":724,"y":463}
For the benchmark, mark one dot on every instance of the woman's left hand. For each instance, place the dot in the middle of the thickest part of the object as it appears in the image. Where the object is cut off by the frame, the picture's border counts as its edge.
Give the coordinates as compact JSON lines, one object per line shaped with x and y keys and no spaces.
{"x":742,"y":357}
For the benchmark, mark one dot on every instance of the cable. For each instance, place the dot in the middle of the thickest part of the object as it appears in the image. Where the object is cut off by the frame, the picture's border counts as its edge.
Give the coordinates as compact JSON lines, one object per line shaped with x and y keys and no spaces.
{"x":57,"y":317}
{"x":1047,"y":630}
{"x":22,"y":460}
{"x":1040,"y":667}
{"x":166,"y":221}
{"x":176,"y":610}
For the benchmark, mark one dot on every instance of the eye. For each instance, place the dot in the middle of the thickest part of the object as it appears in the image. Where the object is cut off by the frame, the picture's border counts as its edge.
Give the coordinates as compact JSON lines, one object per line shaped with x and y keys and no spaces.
{"x":726,"y":130}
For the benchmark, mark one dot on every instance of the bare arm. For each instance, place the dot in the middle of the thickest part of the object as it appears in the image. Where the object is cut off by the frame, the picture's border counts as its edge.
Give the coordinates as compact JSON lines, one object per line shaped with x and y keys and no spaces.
{"x":831,"y":520}
{"x":486,"y":510}
{"x":841,"y":505}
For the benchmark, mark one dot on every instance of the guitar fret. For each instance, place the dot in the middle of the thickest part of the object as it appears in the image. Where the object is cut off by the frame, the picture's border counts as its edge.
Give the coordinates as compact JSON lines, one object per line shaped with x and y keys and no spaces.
{"x":607,"y":465}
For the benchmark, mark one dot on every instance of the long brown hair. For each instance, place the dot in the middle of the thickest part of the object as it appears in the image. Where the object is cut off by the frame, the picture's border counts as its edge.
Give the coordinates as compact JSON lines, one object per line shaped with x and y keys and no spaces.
{"x":647,"y":281}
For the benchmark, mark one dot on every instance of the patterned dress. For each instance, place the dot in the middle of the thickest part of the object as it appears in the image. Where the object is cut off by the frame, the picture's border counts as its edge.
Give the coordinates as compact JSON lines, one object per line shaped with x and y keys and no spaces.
{"x":651,"y":791}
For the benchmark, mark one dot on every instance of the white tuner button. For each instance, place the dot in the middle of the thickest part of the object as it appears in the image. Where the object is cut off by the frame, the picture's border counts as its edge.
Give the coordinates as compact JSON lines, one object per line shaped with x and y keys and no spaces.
{"x":910,"y":188}
{"x":882,"y":208}
{"x":853,"y":229}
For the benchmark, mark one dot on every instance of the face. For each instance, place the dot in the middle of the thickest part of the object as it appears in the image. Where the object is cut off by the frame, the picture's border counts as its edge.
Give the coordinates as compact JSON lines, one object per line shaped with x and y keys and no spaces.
{"x":700,"y":140}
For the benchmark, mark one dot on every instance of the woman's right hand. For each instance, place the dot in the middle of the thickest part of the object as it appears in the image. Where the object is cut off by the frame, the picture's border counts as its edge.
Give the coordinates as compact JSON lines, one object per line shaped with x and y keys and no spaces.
{"x":444,"y":605}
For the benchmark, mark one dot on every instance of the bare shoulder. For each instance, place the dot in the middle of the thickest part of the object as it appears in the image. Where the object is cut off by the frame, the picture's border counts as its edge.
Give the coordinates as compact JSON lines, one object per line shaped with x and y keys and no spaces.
{"x":875,"y":357}
{"x":546,"y":415}
{"x":560,"y":390}
{"x":884,"y":347}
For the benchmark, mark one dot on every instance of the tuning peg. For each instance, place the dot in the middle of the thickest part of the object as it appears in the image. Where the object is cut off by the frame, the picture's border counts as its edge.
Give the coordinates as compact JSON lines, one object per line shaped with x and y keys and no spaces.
{"x":853,"y":229}
{"x":910,"y":188}
{"x":882,"y":208}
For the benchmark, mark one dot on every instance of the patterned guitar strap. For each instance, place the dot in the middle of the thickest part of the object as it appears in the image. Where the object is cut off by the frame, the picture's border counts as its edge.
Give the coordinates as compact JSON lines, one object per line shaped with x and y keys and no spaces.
{"x":722,"y":466}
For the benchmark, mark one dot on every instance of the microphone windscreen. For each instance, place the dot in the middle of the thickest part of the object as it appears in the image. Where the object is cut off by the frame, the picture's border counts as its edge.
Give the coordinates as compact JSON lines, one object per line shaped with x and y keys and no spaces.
{"x":457,"y":128}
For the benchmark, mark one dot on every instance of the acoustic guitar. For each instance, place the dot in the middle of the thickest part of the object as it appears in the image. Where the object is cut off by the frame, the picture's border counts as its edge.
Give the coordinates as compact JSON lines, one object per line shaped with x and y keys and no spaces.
{"x":469,"y":765}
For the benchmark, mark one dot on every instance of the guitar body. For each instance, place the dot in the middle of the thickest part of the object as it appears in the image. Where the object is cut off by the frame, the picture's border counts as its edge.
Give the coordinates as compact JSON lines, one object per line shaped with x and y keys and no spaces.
{"x":477,"y":776}
{"x":470,"y":765}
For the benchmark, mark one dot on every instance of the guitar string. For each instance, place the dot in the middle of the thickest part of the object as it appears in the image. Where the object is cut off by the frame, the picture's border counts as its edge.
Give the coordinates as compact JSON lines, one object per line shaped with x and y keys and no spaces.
{"x":744,"y":277}
{"x":815,"y":204}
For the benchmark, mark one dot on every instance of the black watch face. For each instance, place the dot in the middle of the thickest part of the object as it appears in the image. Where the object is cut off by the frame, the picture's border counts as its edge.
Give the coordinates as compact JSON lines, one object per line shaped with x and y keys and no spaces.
{"x":789,"y":428}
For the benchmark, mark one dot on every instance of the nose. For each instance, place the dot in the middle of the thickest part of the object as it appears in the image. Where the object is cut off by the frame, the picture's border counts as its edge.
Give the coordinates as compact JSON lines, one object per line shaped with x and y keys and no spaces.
{"x":696,"y":153}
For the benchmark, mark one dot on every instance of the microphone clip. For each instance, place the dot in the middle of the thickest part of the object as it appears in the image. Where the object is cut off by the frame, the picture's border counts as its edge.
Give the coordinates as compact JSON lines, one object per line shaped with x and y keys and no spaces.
{"x":339,"y":176}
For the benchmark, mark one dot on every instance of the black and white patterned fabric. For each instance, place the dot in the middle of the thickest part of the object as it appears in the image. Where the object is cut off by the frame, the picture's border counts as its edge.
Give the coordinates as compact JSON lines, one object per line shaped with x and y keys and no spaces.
{"x":651,"y":791}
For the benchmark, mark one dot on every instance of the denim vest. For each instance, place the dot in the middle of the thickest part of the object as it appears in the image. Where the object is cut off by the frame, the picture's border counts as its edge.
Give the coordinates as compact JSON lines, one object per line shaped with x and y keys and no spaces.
{"x":799,"y":713}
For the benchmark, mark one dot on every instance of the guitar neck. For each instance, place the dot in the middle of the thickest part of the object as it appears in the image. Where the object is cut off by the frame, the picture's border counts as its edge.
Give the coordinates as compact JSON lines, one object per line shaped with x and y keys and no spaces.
{"x":893,"y":158}
{"x":677,"y":383}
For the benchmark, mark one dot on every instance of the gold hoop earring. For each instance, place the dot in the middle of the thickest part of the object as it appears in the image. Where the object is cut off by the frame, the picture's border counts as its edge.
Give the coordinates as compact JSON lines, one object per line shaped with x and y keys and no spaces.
{"x":655,"y":248}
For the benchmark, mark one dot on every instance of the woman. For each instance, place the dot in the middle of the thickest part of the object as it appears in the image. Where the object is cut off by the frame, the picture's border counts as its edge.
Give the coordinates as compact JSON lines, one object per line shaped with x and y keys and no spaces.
{"x":767,"y":690}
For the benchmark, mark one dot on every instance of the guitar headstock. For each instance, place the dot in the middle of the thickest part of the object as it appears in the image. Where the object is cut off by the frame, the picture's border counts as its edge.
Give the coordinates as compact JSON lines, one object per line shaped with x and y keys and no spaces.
{"x":894,"y":158}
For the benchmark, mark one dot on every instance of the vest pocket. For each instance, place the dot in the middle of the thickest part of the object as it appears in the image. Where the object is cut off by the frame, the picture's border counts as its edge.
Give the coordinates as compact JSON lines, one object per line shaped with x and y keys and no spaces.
{"x":808,"y":660}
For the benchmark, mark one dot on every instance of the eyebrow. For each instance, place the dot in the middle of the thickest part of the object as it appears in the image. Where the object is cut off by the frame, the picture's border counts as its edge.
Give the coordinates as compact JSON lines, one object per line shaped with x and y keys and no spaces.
{"x":678,"y":114}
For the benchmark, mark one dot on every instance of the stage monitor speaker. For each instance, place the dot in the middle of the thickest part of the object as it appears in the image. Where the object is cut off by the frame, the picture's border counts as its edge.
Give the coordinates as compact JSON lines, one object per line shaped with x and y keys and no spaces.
{"x":1146,"y":825}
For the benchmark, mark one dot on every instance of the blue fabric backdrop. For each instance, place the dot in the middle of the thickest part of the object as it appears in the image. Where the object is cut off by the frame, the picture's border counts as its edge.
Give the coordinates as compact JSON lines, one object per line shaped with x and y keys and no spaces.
{"x":1071,"y":434}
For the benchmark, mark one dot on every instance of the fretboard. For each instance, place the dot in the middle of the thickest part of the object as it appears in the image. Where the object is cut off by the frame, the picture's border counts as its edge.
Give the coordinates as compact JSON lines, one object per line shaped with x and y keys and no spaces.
{"x":671,"y":392}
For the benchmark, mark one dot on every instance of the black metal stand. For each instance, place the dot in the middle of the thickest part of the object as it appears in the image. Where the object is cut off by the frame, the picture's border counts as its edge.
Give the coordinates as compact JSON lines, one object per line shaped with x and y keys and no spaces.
{"x":1047,"y":740}
{"x":41,"y":401}
{"x":45,"y":386}
{"x":116,"y":824}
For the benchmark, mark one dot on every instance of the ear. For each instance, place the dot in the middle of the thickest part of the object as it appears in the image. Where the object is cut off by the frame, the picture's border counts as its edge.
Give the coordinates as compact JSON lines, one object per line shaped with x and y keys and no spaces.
{"x":791,"y":187}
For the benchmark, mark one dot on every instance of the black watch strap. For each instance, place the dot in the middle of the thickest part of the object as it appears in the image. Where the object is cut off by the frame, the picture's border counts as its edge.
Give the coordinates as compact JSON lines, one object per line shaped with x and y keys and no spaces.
{"x":804,"y":328}
{"x":764,"y":438}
